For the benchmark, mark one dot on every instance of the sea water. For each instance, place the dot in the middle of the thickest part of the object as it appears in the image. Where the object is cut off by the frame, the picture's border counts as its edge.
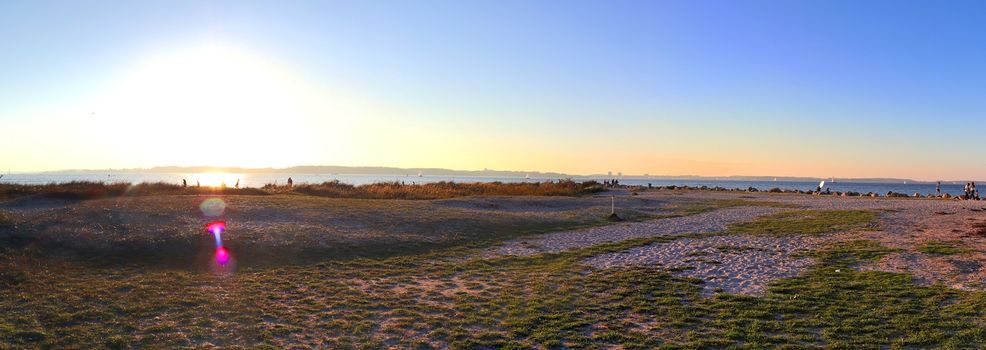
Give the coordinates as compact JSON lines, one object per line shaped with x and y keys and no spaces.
{"x":260,"y":179}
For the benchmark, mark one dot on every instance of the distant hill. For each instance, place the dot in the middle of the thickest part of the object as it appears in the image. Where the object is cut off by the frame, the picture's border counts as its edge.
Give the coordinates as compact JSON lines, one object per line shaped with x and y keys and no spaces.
{"x":330,"y":169}
{"x":375,"y":170}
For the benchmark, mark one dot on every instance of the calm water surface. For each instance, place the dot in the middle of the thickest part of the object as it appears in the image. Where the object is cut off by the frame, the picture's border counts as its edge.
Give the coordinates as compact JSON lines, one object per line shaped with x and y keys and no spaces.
{"x":257,"y":180}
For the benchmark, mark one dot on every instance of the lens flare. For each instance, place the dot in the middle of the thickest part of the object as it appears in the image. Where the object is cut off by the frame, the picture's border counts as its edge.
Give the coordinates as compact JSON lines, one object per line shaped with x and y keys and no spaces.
{"x":222,"y":256}
{"x":216,"y":227}
{"x":224,"y":263}
{"x":213,"y":207}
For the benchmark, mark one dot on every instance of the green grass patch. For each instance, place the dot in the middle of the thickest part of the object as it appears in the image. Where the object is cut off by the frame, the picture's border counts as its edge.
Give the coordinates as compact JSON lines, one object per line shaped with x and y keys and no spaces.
{"x":442,"y":301}
{"x":804,"y":222}
{"x":448,"y":298}
{"x":836,"y":306}
{"x":943,"y":248}
{"x":699,"y":207}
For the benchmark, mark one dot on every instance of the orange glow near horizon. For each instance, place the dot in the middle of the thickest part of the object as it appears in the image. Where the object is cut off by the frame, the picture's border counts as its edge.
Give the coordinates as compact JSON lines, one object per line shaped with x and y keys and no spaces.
{"x":215,"y":179}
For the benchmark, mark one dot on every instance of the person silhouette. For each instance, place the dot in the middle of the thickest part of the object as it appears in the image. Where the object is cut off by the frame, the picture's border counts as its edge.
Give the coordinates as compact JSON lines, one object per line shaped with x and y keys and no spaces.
{"x":184,"y":183}
{"x":290,"y":182}
{"x":237,"y":183}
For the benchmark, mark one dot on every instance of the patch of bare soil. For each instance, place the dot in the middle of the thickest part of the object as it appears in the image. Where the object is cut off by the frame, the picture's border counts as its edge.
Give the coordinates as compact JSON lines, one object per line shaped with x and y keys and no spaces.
{"x":745,"y":265}
{"x":907,"y":230}
{"x":731,"y":264}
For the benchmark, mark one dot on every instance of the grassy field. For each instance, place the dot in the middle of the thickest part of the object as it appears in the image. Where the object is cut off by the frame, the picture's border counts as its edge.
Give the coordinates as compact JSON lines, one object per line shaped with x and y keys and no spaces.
{"x":805,"y":222}
{"x":82,"y":190}
{"x":942,"y":248}
{"x":169,"y":228}
{"x":446,"y":297}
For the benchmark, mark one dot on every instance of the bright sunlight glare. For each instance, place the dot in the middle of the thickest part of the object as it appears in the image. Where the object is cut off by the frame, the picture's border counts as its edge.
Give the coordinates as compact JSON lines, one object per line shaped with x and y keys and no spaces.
{"x":217,"y":179}
{"x":215,"y":104}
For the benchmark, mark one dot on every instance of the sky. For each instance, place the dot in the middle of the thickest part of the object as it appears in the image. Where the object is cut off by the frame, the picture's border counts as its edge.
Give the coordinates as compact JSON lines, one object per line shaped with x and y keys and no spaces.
{"x":785,"y":88}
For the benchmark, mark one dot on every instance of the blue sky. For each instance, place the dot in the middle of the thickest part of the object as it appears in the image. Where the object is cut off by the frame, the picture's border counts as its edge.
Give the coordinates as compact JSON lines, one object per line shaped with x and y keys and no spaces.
{"x":880,"y":88}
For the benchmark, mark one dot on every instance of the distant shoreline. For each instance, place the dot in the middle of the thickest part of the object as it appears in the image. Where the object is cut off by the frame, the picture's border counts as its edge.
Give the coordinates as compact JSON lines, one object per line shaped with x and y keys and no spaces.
{"x":263,"y":180}
{"x":395,"y":171}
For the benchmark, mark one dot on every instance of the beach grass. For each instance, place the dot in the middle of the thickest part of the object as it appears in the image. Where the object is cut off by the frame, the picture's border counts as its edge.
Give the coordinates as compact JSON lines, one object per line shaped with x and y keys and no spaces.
{"x":271,"y":228}
{"x":437,"y":301}
{"x":450,"y":298}
{"x":698,"y":207}
{"x":267,"y":229}
{"x":942,"y":248}
{"x":296,"y":226}
{"x":86,"y":190}
{"x":805,"y":222}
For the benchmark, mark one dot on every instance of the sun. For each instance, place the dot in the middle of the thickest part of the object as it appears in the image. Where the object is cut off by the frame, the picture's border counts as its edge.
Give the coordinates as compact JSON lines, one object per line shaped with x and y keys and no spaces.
{"x":217,"y":179}
{"x":218,"y":82}
{"x":212,"y":105}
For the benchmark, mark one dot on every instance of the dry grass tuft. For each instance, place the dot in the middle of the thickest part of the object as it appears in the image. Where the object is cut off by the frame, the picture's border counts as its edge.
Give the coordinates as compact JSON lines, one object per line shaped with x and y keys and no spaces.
{"x":84,"y":190}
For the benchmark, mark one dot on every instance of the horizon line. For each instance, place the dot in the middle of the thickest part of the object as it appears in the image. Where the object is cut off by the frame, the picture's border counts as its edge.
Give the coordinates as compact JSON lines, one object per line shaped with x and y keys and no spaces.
{"x":644,"y":175}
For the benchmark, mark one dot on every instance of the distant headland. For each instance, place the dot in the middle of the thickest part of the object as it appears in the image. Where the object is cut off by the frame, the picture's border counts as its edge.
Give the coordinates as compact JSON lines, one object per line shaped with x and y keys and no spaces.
{"x":379,"y":170}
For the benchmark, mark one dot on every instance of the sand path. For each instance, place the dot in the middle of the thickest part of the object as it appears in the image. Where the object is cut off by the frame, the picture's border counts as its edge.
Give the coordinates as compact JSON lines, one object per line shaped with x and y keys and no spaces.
{"x":582,"y":238}
{"x":747,"y":264}
{"x":732,"y":264}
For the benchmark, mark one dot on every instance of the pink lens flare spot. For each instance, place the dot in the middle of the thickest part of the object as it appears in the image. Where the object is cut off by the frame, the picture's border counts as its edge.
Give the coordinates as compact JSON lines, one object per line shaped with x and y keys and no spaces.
{"x":222,"y":256}
{"x":216,"y":227}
